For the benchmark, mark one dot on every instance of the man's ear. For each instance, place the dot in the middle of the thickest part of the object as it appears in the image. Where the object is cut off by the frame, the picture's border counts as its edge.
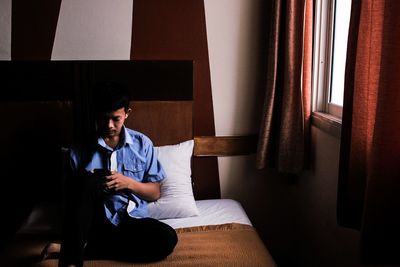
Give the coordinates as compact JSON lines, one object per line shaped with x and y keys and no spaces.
{"x":128,"y":112}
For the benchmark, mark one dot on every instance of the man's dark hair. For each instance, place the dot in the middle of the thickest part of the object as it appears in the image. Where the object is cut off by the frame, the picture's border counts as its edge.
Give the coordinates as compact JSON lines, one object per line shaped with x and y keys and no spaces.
{"x":109,"y":96}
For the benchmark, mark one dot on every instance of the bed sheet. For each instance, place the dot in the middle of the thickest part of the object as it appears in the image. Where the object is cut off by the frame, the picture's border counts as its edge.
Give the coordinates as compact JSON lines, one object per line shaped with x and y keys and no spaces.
{"x":213,"y":212}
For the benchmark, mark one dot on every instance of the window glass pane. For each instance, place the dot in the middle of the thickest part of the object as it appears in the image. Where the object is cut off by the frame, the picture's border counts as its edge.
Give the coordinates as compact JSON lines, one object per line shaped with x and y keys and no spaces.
{"x":342,"y":19}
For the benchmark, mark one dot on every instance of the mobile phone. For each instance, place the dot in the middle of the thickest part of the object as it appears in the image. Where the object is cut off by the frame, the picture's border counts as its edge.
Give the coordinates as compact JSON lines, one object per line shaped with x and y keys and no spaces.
{"x":102,"y":172}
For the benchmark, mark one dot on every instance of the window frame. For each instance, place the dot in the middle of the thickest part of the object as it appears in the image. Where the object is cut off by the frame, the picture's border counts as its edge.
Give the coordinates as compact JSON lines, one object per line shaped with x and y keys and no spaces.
{"x":325,"y":115}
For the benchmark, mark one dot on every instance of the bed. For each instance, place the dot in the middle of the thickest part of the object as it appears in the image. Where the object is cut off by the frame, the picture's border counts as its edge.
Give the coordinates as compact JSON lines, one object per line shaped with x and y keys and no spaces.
{"x":221,"y":235}
{"x":211,"y":231}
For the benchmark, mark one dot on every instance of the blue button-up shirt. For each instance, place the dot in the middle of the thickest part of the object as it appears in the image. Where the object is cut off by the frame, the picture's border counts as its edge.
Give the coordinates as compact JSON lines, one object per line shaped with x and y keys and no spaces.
{"x":136,"y":159}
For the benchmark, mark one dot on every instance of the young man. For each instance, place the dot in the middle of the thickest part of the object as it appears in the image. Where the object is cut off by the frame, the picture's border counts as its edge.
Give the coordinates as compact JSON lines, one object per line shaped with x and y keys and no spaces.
{"x":109,"y":187}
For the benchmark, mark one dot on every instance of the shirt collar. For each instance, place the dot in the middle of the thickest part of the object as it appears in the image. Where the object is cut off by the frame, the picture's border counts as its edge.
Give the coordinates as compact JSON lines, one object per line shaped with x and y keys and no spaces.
{"x":126,"y":139}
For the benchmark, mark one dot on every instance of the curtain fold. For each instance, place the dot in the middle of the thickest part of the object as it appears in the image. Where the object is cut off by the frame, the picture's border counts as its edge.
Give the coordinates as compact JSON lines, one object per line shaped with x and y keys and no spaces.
{"x":285,"y":125}
{"x":369,"y":173}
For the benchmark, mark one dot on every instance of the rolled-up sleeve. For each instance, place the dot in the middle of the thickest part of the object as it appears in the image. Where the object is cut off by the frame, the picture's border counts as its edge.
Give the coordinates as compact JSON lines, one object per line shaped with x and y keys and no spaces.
{"x":154,"y":170}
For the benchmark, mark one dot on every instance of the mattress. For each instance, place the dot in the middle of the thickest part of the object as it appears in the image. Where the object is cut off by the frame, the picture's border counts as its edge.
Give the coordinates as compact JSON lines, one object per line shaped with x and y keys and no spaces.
{"x":212,"y":212}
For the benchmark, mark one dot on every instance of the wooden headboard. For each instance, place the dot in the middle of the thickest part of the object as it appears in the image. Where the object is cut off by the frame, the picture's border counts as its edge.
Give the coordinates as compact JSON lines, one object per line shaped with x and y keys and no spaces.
{"x":165,"y":122}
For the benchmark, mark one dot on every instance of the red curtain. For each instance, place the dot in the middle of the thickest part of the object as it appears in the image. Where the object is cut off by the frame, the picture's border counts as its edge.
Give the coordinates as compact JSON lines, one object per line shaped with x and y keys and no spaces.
{"x":285,"y":128}
{"x":369,"y":174}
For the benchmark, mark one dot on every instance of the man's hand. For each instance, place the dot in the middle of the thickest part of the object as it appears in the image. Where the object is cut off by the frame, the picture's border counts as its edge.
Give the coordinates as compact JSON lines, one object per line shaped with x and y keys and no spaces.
{"x":117,"y":181}
{"x":147,"y":191}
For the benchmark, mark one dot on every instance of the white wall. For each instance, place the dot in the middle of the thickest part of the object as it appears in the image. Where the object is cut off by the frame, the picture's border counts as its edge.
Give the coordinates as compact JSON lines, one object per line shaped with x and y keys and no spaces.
{"x":233,"y":32}
{"x":233,"y":44}
{"x":317,"y":222}
{"x":100,"y":29}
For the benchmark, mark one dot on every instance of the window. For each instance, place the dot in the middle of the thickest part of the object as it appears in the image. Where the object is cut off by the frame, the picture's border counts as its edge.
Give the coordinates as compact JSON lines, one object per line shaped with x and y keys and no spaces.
{"x":331,"y":24}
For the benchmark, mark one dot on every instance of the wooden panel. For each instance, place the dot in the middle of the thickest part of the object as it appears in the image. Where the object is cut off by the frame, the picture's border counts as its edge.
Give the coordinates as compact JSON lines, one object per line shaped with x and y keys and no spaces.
{"x":176,"y":29}
{"x":35,"y":133}
{"x":167,"y":80}
{"x":37,"y":80}
{"x":34,"y":26}
{"x":224,"y":145}
{"x":30,"y":80}
{"x":165,"y":122}
{"x":30,"y":162}
{"x":204,"y":176}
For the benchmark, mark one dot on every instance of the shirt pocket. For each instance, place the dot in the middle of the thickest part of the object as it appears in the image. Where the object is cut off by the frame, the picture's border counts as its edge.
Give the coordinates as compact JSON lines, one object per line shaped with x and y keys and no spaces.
{"x":134,"y":169}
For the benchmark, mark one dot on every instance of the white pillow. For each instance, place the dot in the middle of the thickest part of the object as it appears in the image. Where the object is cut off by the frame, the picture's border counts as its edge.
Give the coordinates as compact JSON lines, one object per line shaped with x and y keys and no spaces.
{"x":177,"y":200}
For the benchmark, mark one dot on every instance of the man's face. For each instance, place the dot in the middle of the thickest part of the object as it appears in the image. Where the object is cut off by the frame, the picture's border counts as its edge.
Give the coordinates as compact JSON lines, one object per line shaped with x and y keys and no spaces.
{"x":110,"y":124}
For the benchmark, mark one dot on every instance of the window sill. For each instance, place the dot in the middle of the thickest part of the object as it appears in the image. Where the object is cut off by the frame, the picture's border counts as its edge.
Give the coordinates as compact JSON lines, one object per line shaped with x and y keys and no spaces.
{"x":327,"y":123}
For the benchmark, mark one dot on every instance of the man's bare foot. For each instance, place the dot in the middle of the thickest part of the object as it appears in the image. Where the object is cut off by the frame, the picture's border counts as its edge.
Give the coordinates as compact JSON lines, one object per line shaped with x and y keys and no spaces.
{"x":51,"y":251}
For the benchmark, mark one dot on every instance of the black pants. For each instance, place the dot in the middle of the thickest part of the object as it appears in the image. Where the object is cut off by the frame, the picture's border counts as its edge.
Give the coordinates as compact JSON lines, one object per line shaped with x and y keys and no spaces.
{"x":88,"y":234}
